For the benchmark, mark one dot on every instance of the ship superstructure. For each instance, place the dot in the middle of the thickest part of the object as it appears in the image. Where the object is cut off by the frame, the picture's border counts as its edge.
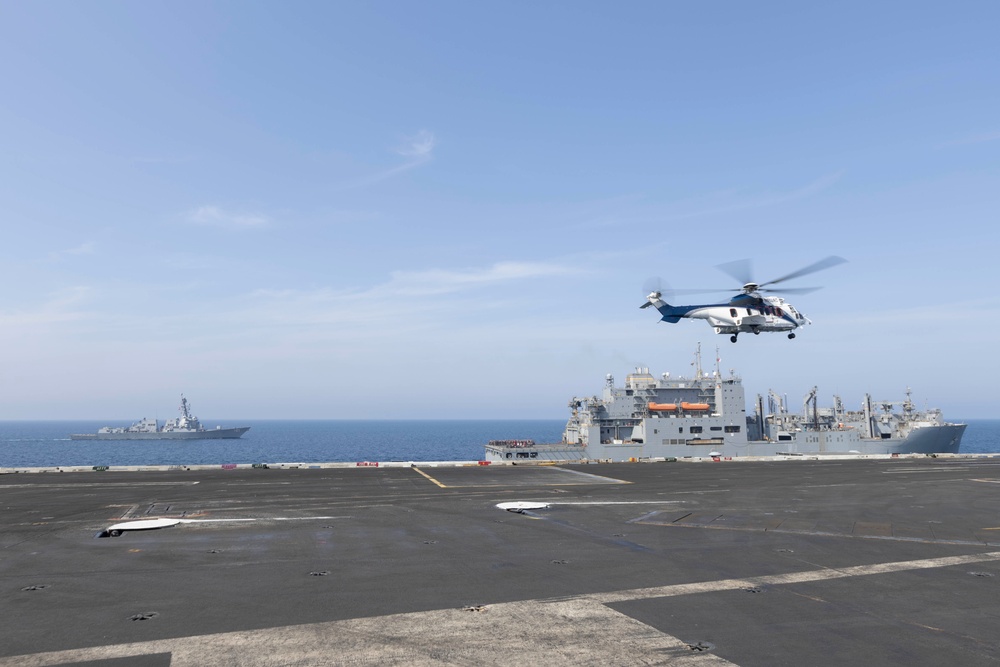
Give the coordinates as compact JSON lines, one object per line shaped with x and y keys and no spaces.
{"x":705,"y":415}
{"x":184,"y":427}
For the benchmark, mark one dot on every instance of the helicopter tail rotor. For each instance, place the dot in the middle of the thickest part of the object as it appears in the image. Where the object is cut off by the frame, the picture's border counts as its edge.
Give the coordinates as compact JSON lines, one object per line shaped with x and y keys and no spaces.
{"x":653,"y":288}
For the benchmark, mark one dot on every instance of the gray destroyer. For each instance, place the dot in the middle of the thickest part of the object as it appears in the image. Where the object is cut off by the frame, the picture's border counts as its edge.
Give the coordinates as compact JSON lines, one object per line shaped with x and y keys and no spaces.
{"x":185,"y":427}
{"x":706,"y":416}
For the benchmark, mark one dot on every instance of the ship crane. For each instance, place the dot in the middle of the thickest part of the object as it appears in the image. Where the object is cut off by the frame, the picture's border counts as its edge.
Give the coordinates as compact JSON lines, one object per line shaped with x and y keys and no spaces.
{"x":838,"y":409}
{"x":906,"y":404}
{"x":811,"y":398}
{"x":774,"y":403}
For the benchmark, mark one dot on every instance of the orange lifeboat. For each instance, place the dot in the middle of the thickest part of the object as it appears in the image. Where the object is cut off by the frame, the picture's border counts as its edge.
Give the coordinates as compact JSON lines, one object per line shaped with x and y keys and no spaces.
{"x":694,"y":406}
{"x":662,"y":406}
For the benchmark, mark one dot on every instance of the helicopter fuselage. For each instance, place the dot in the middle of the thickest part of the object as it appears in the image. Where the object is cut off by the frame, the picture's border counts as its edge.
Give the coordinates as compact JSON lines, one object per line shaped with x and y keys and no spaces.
{"x":745,"y":313}
{"x":748,"y":311}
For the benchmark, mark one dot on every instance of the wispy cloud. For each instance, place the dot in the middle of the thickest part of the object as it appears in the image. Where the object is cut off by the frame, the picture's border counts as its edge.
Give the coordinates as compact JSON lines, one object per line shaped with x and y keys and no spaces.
{"x":419,"y":146}
{"x":87,"y":248}
{"x":439,"y":281}
{"x":64,"y":305}
{"x":407,"y":301}
{"x":217,"y":217}
{"x":633,"y":212}
{"x":731,"y":201}
{"x":976,"y":139}
{"x":430,"y":282}
{"x":418,"y":150}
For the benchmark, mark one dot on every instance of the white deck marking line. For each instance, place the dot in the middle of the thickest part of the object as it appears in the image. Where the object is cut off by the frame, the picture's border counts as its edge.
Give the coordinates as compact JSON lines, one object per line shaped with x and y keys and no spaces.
{"x":609,"y":502}
{"x":565,"y":633}
{"x":623,"y":502}
{"x":603,"y":479}
{"x":103,"y":485}
{"x":793,"y":578}
{"x":908,"y":471}
{"x":268,"y":518}
{"x":599,"y":634}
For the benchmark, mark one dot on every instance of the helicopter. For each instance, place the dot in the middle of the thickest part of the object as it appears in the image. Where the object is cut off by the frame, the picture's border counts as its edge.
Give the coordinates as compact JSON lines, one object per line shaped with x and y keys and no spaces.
{"x":749,"y":311}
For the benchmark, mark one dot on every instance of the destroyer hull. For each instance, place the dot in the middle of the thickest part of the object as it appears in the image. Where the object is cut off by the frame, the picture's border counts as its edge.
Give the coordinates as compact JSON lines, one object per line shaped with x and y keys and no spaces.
{"x":185,"y":427}
{"x":208,"y":434}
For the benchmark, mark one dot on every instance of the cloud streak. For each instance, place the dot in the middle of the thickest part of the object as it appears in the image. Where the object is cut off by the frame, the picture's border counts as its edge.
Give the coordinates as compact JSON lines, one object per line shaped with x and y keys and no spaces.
{"x":977,"y":139}
{"x":763,"y":201}
{"x":214,"y":216}
{"x":65,"y":305}
{"x":715,"y":203}
{"x":438,"y":281}
{"x":419,"y":146}
{"x":418,"y":150}
{"x":87,"y":248}
{"x":407,"y":300}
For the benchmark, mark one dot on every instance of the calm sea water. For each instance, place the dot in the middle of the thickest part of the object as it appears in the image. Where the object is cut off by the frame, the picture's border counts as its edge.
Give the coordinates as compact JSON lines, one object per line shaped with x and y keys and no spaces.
{"x":47,"y":443}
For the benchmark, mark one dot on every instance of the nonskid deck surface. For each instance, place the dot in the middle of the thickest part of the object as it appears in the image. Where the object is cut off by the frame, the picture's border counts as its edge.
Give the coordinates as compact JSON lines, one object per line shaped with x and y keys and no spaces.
{"x":774,"y":563}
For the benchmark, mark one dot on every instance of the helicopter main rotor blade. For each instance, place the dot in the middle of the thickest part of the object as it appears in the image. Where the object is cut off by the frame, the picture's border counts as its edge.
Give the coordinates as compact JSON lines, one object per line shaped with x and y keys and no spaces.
{"x":661,"y":287}
{"x":655,"y":284}
{"x":710,"y":290}
{"x":826,"y":263}
{"x":791,"y":290}
{"x":741,"y":270}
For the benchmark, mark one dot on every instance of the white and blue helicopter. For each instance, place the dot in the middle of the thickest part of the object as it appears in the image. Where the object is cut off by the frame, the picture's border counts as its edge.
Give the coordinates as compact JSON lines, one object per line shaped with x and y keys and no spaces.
{"x":749,"y":311}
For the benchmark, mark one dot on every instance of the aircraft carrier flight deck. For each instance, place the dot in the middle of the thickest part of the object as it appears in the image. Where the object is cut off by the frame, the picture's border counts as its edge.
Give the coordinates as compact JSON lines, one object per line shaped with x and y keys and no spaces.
{"x":874,"y":562}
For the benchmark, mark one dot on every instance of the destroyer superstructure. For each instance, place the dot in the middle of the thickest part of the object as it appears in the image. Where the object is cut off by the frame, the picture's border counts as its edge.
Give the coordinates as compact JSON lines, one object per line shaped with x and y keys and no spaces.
{"x":705,"y":415}
{"x":185,"y":427}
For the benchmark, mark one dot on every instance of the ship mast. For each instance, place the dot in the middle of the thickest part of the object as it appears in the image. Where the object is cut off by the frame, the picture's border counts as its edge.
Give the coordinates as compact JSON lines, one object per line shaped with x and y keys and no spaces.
{"x":184,"y":408}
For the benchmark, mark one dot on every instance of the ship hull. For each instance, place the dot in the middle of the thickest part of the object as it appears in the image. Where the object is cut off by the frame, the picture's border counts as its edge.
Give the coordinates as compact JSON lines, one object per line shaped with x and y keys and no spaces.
{"x":705,"y":416}
{"x":943,"y":439}
{"x":208,"y":434}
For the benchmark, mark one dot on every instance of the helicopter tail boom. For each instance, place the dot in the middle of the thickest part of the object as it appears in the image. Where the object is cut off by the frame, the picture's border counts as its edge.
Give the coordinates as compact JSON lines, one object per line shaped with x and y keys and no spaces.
{"x":671,"y":314}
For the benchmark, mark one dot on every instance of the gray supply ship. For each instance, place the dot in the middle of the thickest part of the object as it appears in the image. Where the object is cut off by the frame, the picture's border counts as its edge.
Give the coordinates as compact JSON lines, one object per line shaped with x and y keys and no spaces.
{"x":185,"y":427}
{"x":706,"y":416}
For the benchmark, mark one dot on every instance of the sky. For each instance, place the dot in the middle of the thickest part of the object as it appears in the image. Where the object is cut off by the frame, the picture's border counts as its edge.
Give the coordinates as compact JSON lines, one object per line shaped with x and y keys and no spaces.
{"x":399,"y":210}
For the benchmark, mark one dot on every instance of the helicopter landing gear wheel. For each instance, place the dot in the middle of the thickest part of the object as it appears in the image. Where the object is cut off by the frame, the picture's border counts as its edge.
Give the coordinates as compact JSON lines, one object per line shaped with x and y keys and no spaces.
{"x":791,"y":336}
{"x":733,"y":338}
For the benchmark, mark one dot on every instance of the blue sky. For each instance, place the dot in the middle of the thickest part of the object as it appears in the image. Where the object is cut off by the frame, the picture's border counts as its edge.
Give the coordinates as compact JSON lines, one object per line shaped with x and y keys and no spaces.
{"x":449,"y":209}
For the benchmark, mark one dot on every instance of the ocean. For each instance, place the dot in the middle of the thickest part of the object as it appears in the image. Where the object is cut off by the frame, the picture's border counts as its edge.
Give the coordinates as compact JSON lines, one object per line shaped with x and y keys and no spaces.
{"x":46,"y":443}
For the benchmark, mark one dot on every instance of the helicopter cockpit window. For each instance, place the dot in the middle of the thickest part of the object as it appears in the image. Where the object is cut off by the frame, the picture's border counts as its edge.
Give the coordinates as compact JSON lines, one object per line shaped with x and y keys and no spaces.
{"x":732,"y":312}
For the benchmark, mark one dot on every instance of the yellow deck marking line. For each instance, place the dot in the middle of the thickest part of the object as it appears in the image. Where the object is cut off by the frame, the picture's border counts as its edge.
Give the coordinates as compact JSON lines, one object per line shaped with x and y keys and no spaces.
{"x":429,"y":477}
